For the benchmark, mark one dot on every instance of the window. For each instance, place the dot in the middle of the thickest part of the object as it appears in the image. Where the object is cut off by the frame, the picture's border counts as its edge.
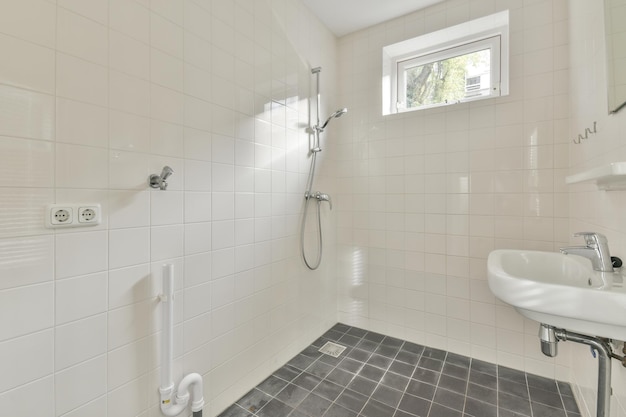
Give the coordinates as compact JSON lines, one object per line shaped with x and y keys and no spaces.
{"x":458,"y":64}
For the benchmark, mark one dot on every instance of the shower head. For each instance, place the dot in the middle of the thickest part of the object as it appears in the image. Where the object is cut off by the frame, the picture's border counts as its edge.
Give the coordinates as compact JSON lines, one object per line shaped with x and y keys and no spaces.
{"x":335,"y":115}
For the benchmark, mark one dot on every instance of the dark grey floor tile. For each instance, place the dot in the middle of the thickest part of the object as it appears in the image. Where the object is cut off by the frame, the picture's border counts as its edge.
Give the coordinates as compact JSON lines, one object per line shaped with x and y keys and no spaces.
{"x":453,"y":384}
{"x":503,"y":412}
{"x":400,"y":413}
{"x":306,"y":381}
{"x":433,"y":353}
{"x":340,"y":327}
{"x":565,"y":388}
{"x":319,"y":369}
{"x":484,"y":367}
{"x":546,"y":411}
{"x":407,"y":357}
{"x":296,"y":413}
{"x":292,"y":395}
{"x":477,"y":408}
{"x":363,"y":385}
{"x":374,"y":337}
{"x":482,"y":393}
{"x":429,"y":363}
{"x":254,"y":400}
{"x":513,"y":403}
{"x":374,"y":408}
{"x":413,"y":348}
{"x":272,"y":385}
{"x":392,"y":341}
{"x":573,"y":414}
{"x":301,"y":362}
{"x":371,"y":372}
{"x":387,"y":395}
{"x":450,"y":399}
{"x":513,"y":388}
{"x":388,"y":351}
{"x":274,"y":408}
{"x":395,"y":381}
{"x":311,"y":351}
{"x":486,"y":380}
{"x":379,"y":361}
{"x":288,"y":373}
{"x":313,"y":406}
{"x":359,"y":355}
{"x":235,"y":411}
{"x":421,"y":389}
{"x":367,"y":345}
{"x":350,"y":365}
{"x":331,"y":360}
{"x":348,"y":340}
{"x":340,"y":377}
{"x":549,"y":398}
{"x":511,"y":375}
{"x":351,"y":400}
{"x":438,"y":410}
{"x":458,"y":360}
{"x":541,"y":382}
{"x":333,"y":335}
{"x":455,"y":371}
{"x":414,"y":405}
{"x":355,"y":331}
{"x":426,"y":375}
{"x":328,"y":390}
{"x":402,"y":368}
{"x":570,"y":404}
{"x":339,"y":411}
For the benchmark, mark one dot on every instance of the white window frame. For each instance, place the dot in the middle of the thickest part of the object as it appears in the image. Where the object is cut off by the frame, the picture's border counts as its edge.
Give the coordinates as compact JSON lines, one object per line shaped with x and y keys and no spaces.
{"x":487,"y":32}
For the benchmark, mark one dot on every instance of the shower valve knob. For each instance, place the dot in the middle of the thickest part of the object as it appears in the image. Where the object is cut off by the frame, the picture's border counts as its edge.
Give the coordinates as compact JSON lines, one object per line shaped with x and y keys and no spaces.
{"x":159,"y":181}
{"x":324,"y":197}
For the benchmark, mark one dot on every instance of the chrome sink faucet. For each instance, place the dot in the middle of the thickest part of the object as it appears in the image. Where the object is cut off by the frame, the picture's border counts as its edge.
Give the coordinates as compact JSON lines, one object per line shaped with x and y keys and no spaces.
{"x":596,"y":249}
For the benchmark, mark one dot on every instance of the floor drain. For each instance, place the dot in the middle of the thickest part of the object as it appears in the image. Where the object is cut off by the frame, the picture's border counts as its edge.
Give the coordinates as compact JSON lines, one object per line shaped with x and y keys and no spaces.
{"x":332,"y":349}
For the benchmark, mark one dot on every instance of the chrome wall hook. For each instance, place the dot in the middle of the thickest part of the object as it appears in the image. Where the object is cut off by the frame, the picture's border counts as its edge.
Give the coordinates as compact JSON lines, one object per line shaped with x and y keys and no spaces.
{"x":159,"y":181}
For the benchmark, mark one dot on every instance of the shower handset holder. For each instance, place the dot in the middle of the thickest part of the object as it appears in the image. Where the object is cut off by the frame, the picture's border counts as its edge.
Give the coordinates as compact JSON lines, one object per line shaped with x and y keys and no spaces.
{"x":159,"y":181}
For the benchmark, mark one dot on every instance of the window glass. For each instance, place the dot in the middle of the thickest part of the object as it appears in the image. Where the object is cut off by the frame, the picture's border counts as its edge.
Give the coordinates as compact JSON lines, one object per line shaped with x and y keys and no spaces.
{"x":461,"y":63}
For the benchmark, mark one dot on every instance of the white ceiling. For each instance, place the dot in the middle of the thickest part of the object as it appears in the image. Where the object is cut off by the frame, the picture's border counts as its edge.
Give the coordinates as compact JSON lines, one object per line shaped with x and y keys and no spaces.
{"x":346,"y":16}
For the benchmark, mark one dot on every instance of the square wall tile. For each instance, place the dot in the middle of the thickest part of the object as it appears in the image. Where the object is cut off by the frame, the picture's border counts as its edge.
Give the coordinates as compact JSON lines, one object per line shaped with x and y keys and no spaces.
{"x":81,"y":384}
{"x":32,"y":358}
{"x":32,"y":304}
{"x":81,"y":253}
{"x":78,"y":298}
{"x":27,"y":65}
{"x":81,"y":80}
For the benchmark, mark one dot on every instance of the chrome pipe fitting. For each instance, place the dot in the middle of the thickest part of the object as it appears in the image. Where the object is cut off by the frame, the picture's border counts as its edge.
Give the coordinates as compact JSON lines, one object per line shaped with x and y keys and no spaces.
{"x":550,"y":336}
{"x":547,"y":335}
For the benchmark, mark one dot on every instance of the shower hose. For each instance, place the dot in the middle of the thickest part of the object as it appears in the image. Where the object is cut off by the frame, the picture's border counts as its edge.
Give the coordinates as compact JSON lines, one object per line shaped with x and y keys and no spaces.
{"x":308,"y":196}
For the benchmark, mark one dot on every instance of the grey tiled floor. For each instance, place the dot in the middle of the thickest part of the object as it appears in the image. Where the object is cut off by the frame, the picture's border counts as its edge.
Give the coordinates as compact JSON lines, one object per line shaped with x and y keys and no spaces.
{"x":380,"y":376}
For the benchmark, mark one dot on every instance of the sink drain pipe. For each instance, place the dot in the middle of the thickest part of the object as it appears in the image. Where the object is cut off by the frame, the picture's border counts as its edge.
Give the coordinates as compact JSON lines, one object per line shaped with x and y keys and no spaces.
{"x":168,"y":406}
{"x":550,"y":336}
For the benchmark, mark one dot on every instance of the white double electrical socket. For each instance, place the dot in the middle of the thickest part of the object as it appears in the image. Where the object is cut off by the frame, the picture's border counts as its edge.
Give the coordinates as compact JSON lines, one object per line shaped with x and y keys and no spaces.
{"x":72,"y":215}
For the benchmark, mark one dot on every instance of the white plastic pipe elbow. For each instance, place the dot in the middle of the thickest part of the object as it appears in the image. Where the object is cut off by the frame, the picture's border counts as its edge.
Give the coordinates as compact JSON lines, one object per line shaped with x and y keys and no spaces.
{"x":182,"y":397}
{"x":195,"y":381}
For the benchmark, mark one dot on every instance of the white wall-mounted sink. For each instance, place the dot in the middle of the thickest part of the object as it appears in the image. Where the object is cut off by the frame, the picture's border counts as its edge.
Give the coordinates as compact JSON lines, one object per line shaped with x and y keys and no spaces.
{"x":560,"y":290}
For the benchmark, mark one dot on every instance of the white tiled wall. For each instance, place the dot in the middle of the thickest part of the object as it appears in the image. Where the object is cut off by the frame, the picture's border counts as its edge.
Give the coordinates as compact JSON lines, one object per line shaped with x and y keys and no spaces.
{"x":425,"y":196}
{"x":592,"y":209}
{"x":94,"y":97}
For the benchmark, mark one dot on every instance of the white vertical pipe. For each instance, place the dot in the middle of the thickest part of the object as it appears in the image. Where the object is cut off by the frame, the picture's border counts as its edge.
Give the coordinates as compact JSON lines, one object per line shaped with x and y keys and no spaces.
{"x":167,"y":340}
{"x":168,"y":406}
